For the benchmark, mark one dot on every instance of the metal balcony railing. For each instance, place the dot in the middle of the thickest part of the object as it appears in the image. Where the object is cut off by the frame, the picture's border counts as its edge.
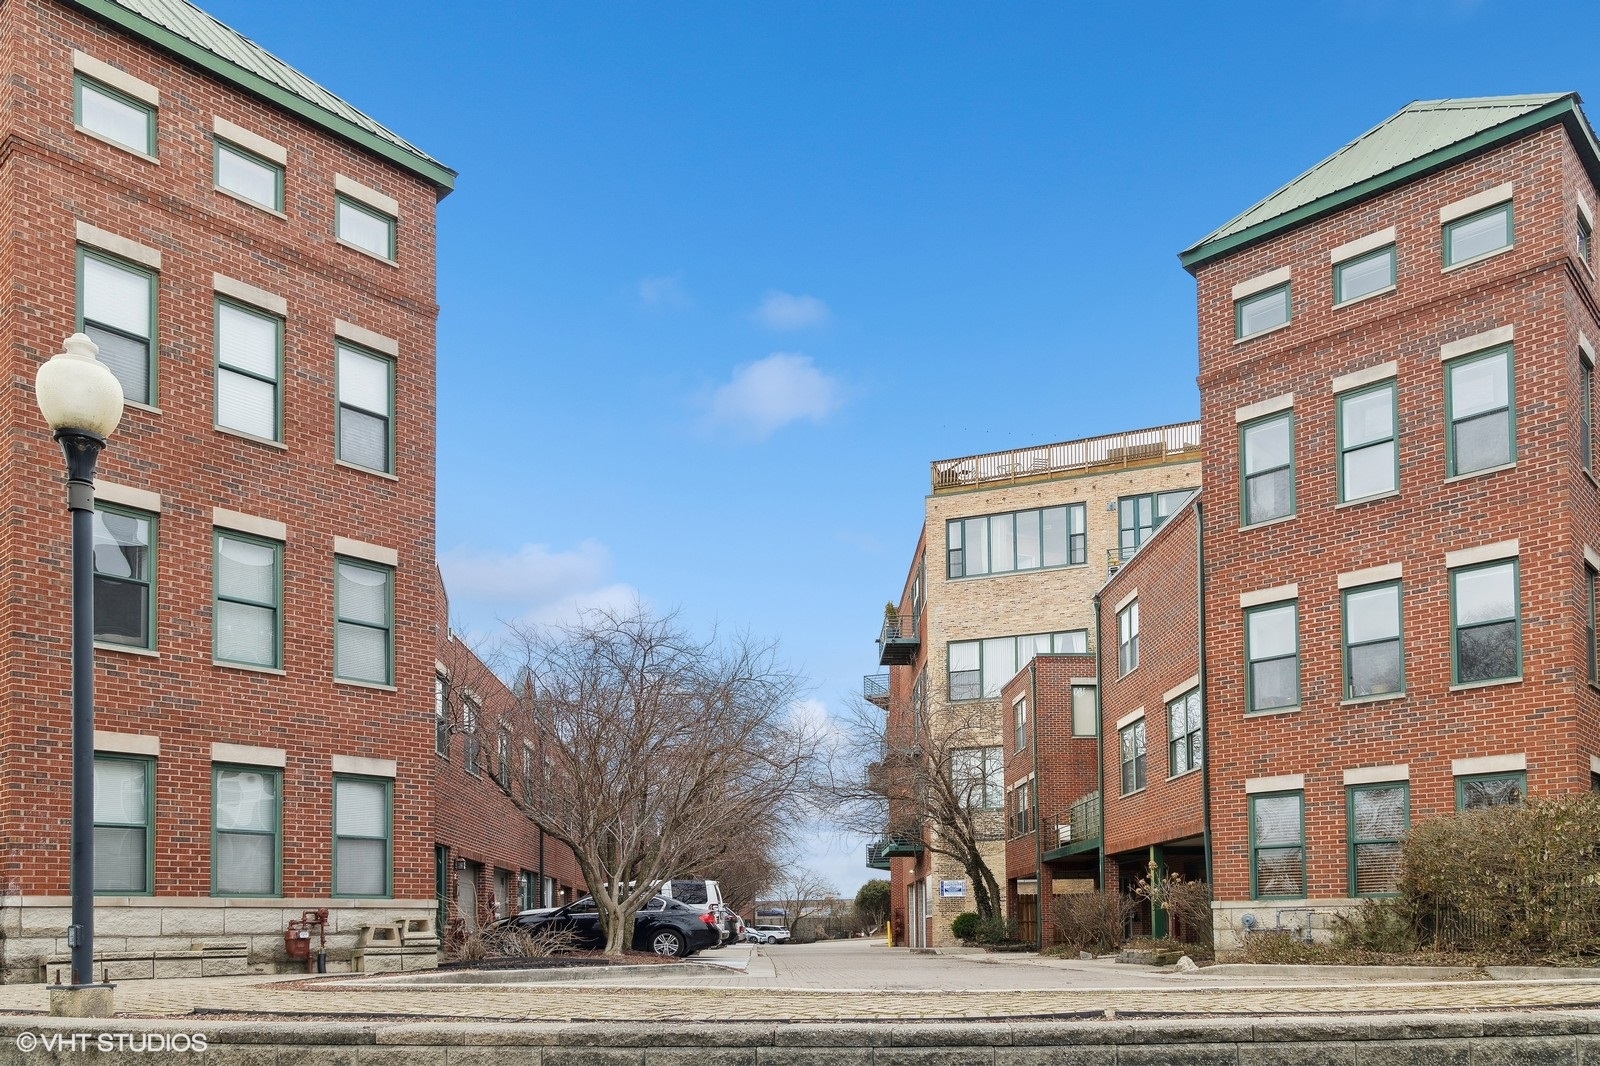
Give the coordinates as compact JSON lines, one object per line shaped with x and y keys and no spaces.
{"x":898,"y":641}
{"x":1134,"y":448}
{"x":875,"y":689}
{"x":1080,"y":823}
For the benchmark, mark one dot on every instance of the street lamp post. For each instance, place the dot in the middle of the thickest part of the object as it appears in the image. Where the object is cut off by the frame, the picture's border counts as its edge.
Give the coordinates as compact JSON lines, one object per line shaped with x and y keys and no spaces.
{"x":82,"y":401}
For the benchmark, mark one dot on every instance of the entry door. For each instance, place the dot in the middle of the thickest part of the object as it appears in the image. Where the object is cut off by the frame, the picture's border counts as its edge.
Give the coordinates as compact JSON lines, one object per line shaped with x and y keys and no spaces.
{"x":467,"y":895}
{"x":1028,"y":918}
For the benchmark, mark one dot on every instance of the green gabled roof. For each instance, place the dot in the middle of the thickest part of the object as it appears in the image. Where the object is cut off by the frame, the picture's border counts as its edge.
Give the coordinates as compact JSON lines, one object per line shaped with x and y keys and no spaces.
{"x":190,"y":34}
{"x":1423,"y":137}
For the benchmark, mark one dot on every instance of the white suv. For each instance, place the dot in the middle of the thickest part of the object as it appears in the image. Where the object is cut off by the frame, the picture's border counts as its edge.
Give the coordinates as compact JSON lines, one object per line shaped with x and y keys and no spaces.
{"x":766,"y":934}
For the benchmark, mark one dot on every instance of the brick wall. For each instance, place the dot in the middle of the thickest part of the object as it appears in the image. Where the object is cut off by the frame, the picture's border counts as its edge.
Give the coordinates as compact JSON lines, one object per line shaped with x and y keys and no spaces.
{"x":1551,"y":716}
{"x":54,"y":178}
{"x":1163,"y":577}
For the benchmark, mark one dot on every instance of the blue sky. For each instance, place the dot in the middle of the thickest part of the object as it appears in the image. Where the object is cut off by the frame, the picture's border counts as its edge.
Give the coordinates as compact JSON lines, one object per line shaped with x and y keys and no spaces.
{"x":720,"y":280}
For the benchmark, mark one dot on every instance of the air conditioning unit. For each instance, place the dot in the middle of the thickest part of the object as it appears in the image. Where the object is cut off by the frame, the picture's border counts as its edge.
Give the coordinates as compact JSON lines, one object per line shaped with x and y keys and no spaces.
{"x":1064,"y":834}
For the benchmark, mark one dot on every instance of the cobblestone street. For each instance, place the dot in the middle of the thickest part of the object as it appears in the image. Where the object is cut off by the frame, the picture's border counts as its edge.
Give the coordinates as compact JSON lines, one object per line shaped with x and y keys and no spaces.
{"x":840,"y":981}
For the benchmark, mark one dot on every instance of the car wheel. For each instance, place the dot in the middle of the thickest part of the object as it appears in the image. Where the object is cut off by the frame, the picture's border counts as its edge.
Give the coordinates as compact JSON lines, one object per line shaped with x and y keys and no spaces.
{"x":668,"y":942}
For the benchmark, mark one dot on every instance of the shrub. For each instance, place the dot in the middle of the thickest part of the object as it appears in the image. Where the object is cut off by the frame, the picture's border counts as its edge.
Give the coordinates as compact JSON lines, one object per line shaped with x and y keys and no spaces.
{"x":1519,"y":880}
{"x":1091,"y":921}
{"x":995,"y":930}
{"x":1378,"y":925}
{"x":965,"y":927}
{"x":1187,"y":903}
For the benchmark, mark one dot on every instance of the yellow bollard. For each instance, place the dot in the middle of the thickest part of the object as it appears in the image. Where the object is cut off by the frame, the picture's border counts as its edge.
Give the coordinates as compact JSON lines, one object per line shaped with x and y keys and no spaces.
{"x":888,"y":934}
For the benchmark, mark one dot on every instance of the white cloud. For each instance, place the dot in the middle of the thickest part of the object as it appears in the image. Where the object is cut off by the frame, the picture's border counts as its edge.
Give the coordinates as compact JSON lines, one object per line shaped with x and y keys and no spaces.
{"x":534,"y":585}
{"x":784,"y":311}
{"x":663,"y":292}
{"x":772,"y":392}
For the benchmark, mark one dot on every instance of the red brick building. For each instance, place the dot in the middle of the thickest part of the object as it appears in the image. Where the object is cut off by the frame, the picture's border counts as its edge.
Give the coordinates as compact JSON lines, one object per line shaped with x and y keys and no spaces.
{"x":490,"y":859}
{"x":1402,"y":518}
{"x":255,"y":260}
{"x":1051,"y":773}
{"x":1152,"y":733}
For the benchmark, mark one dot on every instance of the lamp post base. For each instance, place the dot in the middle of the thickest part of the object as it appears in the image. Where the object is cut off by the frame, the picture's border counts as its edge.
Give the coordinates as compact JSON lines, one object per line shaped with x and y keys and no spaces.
{"x":80,"y":1001}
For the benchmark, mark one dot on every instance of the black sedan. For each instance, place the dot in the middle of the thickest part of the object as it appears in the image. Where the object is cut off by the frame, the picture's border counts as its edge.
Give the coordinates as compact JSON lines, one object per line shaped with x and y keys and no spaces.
{"x":662,"y":926}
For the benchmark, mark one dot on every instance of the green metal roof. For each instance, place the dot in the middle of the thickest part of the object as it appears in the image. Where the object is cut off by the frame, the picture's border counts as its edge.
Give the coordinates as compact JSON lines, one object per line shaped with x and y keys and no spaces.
{"x":184,"y":30}
{"x":1424,"y":136}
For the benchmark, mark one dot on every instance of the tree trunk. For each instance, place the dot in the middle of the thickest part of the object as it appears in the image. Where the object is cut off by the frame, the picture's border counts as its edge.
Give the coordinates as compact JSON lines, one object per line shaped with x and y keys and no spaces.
{"x":616,"y":942}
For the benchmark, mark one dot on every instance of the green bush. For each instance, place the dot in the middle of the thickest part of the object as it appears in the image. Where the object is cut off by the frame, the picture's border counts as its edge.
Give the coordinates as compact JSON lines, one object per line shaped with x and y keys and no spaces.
{"x":996,"y":930}
{"x":966,"y":926}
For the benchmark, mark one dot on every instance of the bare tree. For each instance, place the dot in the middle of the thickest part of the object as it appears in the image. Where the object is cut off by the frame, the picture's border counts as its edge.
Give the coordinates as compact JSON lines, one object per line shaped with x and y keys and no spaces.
{"x":932,"y":779}
{"x":660,"y":750}
{"x":799,"y":892}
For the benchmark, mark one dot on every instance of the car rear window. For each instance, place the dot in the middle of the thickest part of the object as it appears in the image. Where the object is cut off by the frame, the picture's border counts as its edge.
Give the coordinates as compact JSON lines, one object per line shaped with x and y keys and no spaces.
{"x":689,"y":891}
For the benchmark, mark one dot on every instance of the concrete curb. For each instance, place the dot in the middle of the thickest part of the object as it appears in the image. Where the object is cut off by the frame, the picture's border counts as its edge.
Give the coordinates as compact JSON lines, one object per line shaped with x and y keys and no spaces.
{"x":1548,"y":1038}
{"x":1397,"y":973}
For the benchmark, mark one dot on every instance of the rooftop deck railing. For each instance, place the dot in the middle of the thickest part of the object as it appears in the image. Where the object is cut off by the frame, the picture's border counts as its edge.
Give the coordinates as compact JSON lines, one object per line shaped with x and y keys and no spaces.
{"x":1133,"y":448}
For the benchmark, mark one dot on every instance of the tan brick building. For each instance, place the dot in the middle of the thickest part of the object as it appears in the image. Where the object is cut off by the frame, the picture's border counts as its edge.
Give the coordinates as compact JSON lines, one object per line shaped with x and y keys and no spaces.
{"x":255,"y":259}
{"x":1014,"y":546}
{"x":1397,"y":358}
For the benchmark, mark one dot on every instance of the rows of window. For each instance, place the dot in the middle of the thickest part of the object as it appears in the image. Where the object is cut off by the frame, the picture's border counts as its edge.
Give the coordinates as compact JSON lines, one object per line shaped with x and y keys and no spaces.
{"x":1479,"y":435}
{"x":1185,"y":742}
{"x":977,"y":778}
{"x":1050,"y":537}
{"x":1471,"y":230}
{"x":978,"y":669}
{"x":1485,"y":638}
{"x":246,"y":830}
{"x":117,"y":308}
{"x":1085,"y":715}
{"x":121,"y":110}
{"x":247,"y":598}
{"x":502,"y":770}
{"x":1377,"y":816}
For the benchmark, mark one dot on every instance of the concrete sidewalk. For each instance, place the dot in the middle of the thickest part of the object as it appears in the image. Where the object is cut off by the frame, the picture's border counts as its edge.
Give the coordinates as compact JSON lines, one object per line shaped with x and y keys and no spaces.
{"x":846,"y":981}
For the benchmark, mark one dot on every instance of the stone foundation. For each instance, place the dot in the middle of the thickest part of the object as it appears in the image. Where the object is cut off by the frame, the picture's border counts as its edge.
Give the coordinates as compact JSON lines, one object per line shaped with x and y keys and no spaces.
{"x":141,"y":937}
{"x":1233,"y":921}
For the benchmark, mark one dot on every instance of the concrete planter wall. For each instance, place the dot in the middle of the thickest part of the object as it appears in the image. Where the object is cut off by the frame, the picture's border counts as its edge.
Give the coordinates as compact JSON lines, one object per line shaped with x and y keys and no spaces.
{"x":165,"y":936}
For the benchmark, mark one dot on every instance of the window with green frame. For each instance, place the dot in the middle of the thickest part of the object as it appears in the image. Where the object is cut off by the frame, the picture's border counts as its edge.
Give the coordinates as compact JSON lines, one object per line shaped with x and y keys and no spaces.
{"x":1085,"y":711}
{"x":1585,"y":239}
{"x":245,"y":823}
{"x":1373,"y":662}
{"x":1475,"y":792}
{"x":1185,"y":740}
{"x":1480,"y":411}
{"x":124,"y":577}
{"x":441,"y":717}
{"x":1369,"y":461}
{"x":364,"y":632}
{"x":1277,"y":846}
{"x":1272,"y":656}
{"x":364,"y":227}
{"x":1019,"y":540}
{"x":362,"y":828}
{"x":1261,"y":312}
{"x":124,"y":837}
{"x":1128,"y":638}
{"x":1363,"y":275}
{"x":247,"y":616}
{"x":978,"y":669}
{"x":1590,"y":578}
{"x":1485,"y":622}
{"x":1379,"y":816}
{"x":1138,"y":517}
{"x":1478,"y":235}
{"x":1585,"y":411}
{"x":366,"y":409}
{"x":1131,"y":740}
{"x":117,"y":117}
{"x":247,"y":175}
{"x":1266,"y":448}
{"x":117,"y":310}
{"x":249,"y":368}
